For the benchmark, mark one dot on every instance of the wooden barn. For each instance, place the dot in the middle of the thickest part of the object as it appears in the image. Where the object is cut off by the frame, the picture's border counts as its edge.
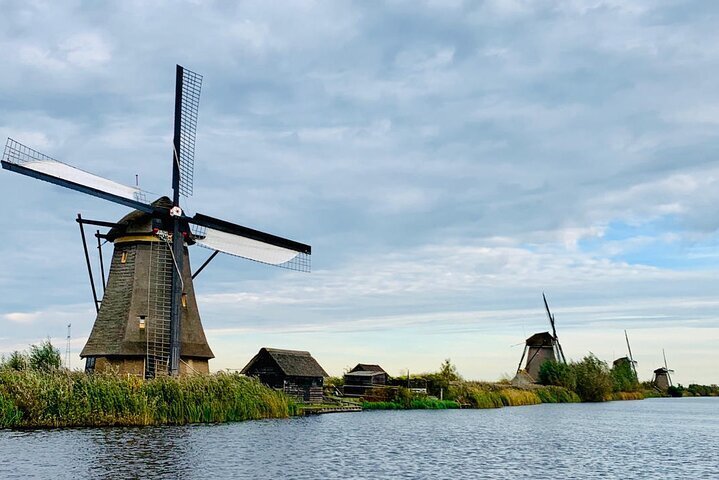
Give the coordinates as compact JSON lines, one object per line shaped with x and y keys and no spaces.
{"x":364,"y":377}
{"x":295,"y":372}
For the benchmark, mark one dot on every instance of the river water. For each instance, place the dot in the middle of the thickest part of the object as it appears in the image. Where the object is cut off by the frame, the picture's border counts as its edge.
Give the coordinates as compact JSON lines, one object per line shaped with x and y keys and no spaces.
{"x":654,"y":438}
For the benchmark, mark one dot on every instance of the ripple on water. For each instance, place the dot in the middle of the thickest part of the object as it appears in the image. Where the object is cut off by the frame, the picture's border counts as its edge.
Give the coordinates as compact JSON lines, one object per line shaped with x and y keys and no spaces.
{"x":662,"y":438}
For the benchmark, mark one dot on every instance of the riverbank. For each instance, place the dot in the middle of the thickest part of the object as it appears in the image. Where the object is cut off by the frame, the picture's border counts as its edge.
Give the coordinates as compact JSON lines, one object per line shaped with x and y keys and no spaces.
{"x":30,"y":399}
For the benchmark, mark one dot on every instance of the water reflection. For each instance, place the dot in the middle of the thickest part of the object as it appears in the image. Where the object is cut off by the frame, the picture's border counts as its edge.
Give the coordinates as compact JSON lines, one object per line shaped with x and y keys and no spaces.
{"x":668,"y":438}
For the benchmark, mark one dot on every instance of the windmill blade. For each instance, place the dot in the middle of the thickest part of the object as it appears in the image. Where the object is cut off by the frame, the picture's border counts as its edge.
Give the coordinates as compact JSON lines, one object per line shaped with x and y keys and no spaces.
{"x":187,"y":103}
{"x":26,"y":161}
{"x":631,"y":358}
{"x":251,"y":244}
{"x":554,"y":329}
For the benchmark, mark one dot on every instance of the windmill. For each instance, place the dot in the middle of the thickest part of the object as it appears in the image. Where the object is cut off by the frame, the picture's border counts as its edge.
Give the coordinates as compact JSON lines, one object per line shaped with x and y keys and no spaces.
{"x":540,"y":348}
{"x":662,"y":380}
{"x":629,"y":359}
{"x":147,"y":320}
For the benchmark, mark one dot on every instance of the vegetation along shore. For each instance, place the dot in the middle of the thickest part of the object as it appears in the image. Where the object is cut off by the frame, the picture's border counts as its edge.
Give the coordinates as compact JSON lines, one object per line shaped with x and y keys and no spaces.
{"x":35,"y":392}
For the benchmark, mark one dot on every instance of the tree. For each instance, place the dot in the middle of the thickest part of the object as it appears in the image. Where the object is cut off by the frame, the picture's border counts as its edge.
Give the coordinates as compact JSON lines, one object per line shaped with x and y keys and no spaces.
{"x":594,"y":381}
{"x":623,"y":377}
{"x":45,"y":358}
{"x":556,"y":373}
{"x":16,"y":361}
{"x":448,"y":372}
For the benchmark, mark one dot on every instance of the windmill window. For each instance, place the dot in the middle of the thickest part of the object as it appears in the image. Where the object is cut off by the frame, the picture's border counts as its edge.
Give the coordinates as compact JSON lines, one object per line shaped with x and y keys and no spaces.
{"x":123,"y":258}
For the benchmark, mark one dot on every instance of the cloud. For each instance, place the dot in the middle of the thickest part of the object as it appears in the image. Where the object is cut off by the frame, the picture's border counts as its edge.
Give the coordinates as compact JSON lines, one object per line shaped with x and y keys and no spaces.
{"x":446,"y":162}
{"x":20,"y":317}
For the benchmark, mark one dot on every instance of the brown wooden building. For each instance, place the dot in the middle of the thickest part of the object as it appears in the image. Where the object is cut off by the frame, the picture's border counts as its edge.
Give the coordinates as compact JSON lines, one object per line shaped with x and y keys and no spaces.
{"x":364,"y":377}
{"x":295,"y":372}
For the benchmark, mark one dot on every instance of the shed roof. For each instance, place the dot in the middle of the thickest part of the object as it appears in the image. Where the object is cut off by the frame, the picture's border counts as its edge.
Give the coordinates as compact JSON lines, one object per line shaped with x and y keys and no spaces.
{"x":367,"y":367}
{"x":293,"y":363}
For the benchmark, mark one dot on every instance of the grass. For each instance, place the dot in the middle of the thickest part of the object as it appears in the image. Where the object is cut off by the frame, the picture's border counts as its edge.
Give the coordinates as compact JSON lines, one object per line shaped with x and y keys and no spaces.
{"x":31,"y":399}
{"x":554,"y":394}
{"x":414,"y":404}
{"x":627,"y":396}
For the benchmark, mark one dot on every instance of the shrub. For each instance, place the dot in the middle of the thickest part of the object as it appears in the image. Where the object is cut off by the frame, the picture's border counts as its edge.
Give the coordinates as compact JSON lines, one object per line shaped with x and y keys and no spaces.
{"x":559,"y":374}
{"x":594,"y":382}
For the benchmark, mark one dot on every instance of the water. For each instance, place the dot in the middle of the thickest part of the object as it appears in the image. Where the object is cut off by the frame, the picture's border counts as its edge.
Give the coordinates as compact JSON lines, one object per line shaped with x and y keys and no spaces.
{"x":655,"y":438}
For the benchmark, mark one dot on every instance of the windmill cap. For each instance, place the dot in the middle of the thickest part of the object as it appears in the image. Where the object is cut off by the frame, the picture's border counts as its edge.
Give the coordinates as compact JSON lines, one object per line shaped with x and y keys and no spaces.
{"x":137,"y":221}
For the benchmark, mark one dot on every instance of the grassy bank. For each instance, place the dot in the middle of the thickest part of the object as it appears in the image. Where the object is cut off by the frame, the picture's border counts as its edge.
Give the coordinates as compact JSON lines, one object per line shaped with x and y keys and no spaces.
{"x":30,"y":399}
{"x":414,"y":404}
{"x":477,"y":395}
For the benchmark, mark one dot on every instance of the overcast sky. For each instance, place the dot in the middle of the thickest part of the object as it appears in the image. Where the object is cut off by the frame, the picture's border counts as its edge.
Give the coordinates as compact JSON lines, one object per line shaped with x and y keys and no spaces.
{"x":447,"y":161}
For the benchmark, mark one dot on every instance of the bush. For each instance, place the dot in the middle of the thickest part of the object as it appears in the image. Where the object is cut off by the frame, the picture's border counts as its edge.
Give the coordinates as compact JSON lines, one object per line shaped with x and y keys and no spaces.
{"x":556,"y":373}
{"x":594,"y":381}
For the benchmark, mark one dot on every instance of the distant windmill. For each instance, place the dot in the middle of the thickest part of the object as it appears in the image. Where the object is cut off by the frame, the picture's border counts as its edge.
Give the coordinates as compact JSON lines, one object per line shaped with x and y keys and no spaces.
{"x":662,"y":380}
{"x":541,"y":347}
{"x":628,"y":359}
{"x":148,"y":322}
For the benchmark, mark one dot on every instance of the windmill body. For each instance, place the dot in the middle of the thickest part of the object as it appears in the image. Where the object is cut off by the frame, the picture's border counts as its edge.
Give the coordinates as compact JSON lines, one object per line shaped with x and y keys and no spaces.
{"x":131,"y":333}
{"x":148,"y":322}
{"x":662,"y":380}
{"x":538,"y":349}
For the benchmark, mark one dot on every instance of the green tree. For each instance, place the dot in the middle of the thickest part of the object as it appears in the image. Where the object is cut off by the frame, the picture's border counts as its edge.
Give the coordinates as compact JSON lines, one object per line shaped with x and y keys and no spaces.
{"x":16,"y":361}
{"x":45,"y":357}
{"x":594,"y":381}
{"x":623,"y":377}
{"x":556,"y":373}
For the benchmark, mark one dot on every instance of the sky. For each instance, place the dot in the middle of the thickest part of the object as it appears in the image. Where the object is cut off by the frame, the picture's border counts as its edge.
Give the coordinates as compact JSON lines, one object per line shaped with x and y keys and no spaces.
{"x":448,"y":161}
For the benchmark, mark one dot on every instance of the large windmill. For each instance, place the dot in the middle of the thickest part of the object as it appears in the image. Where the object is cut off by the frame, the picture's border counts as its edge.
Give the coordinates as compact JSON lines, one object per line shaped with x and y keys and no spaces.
{"x":148,"y":322}
{"x":541,"y":347}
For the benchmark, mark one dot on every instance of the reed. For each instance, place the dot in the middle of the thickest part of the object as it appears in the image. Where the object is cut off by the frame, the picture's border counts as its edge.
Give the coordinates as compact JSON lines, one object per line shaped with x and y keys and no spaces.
{"x":555,"y":394}
{"x":31,"y":399}
{"x":414,"y":404}
{"x":512,"y":397}
{"x":627,"y":396}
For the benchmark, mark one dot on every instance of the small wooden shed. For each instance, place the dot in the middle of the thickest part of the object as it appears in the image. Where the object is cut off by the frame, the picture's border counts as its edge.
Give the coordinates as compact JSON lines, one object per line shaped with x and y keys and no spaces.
{"x":364,"y":377}
{"x":295,"y":372}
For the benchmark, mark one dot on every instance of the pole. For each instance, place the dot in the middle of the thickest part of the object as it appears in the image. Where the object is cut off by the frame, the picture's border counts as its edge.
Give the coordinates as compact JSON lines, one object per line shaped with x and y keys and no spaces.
{"x":87,"y":261}
{"x":102,"y":264}
{"x":67,"y":348}
{"x":177,"y":242}
{"x":202,"y":267}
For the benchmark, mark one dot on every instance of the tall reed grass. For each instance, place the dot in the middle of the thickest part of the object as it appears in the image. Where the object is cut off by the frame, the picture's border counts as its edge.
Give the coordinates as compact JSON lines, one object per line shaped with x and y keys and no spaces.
{"x":555,"y":394}
{"x":31,"y":399}
{"x":627,"y":396}
{"x":414,"y":404}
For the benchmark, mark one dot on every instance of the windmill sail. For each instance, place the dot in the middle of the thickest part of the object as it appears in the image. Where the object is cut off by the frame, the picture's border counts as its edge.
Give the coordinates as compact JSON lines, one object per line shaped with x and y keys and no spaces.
{"x":251,"y":244}
{"x":26,"y":161}
{"x":187,"y":104}
{"x":631,"y":358}
{"x":554,"y":330}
